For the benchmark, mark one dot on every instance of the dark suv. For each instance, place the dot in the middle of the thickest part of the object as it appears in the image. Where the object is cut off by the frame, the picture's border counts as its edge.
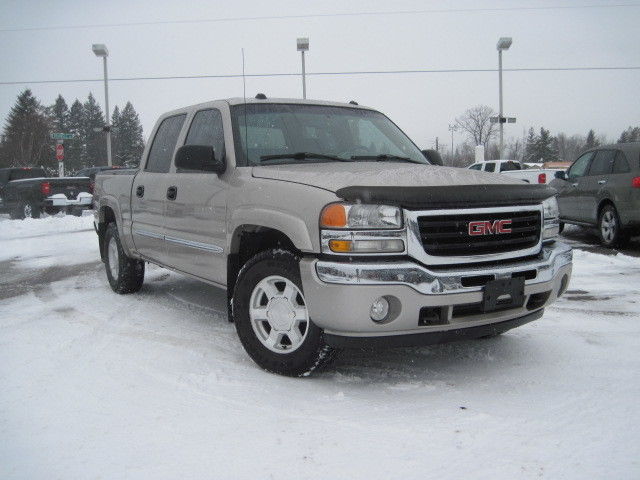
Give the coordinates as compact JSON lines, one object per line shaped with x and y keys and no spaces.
{"x":602,"y":189}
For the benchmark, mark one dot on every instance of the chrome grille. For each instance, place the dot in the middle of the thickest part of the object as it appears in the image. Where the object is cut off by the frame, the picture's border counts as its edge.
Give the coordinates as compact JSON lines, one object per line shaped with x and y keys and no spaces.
{"x":448,"y":235}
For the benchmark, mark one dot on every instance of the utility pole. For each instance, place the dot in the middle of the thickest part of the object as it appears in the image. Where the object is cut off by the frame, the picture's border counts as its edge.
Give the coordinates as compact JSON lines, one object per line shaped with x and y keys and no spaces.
{"x":436,"y":144}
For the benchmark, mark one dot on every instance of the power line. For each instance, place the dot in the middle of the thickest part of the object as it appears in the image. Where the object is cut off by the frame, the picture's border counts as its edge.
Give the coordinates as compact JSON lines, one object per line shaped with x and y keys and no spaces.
{"x":318,"y":15}
{"x":351,"y":73}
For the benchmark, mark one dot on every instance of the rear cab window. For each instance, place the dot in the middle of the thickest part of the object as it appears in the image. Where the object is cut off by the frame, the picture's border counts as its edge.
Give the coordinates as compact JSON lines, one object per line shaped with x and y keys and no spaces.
{"x":490,"y":167}
{"x":22,"y":173}
{"x":164,"y":144}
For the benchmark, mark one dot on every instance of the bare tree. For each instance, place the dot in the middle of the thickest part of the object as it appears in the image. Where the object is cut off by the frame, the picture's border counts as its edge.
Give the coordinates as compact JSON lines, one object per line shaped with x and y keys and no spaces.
{"x":476,"y":123}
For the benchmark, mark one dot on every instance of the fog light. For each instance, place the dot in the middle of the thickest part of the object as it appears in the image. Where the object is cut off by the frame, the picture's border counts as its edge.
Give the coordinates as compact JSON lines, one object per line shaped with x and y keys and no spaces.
{"x":379,"y":309}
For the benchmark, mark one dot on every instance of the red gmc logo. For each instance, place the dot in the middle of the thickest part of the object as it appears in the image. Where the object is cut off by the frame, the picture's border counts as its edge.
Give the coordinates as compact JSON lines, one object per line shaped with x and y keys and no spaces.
{"x":486,"y":227}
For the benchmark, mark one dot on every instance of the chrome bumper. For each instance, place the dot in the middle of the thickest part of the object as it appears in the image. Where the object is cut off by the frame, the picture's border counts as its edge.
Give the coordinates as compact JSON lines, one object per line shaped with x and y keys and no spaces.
{"x":339,"y":294}
{"x":429,"y":282}
{"x":83,"y":199}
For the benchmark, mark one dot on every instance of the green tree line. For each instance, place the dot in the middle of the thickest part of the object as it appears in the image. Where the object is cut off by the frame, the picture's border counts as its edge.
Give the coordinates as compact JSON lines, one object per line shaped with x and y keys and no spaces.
{"x":26,"y":137}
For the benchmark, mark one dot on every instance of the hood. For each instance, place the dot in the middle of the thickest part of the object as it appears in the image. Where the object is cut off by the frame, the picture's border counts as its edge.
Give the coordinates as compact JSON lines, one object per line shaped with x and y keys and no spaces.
{"x":334,"y":176}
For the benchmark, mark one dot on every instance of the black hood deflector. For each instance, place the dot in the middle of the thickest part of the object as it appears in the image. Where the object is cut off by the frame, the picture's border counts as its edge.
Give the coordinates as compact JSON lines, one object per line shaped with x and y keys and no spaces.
{"x":450,"y":196}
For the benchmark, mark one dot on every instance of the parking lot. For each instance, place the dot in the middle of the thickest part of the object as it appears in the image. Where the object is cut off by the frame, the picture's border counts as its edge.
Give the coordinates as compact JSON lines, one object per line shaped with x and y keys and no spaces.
{"x":156,"y":384}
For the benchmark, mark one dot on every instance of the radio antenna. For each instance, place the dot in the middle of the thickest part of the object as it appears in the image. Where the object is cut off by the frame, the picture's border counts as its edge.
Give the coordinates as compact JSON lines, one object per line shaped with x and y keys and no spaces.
{"x":244,"y":94}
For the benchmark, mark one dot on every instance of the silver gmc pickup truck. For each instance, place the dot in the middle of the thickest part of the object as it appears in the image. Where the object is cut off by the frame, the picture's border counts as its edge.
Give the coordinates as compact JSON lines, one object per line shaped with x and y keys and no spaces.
{"x":329,"y":228}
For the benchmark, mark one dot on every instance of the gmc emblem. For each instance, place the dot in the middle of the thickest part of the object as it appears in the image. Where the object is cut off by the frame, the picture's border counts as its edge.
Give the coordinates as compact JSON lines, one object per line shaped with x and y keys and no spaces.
{"x":486,"y":227}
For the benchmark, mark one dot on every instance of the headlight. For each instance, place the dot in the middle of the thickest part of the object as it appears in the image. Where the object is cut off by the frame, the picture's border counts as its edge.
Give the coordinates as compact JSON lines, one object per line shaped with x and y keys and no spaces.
{"x":551,"y":225}
{"x":341,"y":215}
{"x":550,"y":206}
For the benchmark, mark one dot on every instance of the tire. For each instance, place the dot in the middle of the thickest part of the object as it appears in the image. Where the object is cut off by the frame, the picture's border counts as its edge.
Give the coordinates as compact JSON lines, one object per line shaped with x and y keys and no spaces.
{"x":125,"y":274}
{"x":26,"y":210}
{"x":609,"y":228}
{"x":52,"y":210}
{"x":271,"y":317}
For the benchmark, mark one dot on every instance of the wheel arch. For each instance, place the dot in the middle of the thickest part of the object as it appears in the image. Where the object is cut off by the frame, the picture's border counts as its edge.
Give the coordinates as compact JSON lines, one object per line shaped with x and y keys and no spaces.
{"x":248,"y":240}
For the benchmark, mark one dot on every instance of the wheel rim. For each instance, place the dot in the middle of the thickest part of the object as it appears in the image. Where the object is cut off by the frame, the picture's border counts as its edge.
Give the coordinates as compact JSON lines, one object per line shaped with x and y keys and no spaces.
{"x":114,"y":260}
{"x":278,"y":314}
{"x":27,"y":210}
{"x":608,"y":226}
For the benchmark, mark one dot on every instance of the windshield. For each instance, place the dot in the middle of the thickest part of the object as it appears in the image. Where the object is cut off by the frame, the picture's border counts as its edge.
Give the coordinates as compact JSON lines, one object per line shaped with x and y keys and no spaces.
{"x":290,"y":133}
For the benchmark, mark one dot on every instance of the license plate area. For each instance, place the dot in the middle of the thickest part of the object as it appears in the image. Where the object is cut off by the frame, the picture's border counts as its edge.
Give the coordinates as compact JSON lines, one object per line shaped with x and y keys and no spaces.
{"x":503,"y":294}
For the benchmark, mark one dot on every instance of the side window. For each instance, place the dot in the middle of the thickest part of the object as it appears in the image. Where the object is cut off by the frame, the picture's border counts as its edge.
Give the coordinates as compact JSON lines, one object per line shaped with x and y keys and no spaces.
{"x":206,"y":129}
{"x":490,"y":167}
{"x":164,"y":144}
{"x":620,"y":164}
{"x":579,"y":167}
{"x":602,"y":162}
{"x":477,"y":166}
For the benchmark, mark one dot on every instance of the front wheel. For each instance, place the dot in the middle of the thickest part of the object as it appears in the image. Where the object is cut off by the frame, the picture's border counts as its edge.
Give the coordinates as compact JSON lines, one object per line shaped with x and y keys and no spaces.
{"x":272,"y":319}
{"x":609,"y":228}
{"x":125,"y":274}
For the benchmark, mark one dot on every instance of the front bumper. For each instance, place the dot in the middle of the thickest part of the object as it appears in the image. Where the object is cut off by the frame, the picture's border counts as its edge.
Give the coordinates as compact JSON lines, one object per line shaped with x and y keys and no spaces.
{"x":83,"y":200}
{"x":339,"y":294}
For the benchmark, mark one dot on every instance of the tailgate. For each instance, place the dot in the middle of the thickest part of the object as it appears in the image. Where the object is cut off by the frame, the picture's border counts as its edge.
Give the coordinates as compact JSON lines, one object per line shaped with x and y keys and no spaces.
{"x":70,"y":187}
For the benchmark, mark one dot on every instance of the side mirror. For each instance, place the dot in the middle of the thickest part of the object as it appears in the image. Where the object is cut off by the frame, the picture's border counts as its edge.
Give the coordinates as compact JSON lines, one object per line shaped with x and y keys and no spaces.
{"x":561,"y":174}
{"x":199,"y":157}
{"x":433,"y":156}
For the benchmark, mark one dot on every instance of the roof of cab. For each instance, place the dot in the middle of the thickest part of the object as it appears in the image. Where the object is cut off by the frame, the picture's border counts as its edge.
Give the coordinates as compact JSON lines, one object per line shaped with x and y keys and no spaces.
{"x":251,"y":100}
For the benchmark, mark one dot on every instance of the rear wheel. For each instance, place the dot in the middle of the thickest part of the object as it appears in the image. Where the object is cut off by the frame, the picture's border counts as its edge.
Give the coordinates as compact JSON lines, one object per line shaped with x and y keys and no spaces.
{"x":609,"y":228}
{"x":125,"y":274}
{"x":26,"y":210}
{"x":272,"y":319}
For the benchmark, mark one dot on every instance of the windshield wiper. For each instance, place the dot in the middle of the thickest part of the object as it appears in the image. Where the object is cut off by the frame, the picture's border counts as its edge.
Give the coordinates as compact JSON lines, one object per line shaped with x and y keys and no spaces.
{"x":302,"y":156}
{"x":381,"y":158}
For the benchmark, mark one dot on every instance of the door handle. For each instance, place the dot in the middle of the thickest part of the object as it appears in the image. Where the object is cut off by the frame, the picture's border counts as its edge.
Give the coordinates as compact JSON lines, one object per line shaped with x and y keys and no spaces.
{"x":140,"y":191}
{"x":172,"y":193}
{"x":601,"y":182}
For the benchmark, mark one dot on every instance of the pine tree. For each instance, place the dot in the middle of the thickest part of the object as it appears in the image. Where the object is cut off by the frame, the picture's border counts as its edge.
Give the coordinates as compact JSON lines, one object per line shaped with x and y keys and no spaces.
{"x":115,"y":137}
{"x":95,"y":150}
{"x":59,"y":113}
{"x":546,"y":147}
{"x":530,"y":148}
{"x":631,"y":134}
{"x":27,"y":134}
{"x":74,"y":149}
{"x":129,"y":133}
{"x":592,"y":141}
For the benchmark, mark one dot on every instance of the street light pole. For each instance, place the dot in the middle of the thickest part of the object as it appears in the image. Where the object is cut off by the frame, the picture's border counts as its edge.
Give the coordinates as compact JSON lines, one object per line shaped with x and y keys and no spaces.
{"x":101,"y":51}
{"x":303,"y":46}
{"x":452,"y":128}
{"x":503,"y":44}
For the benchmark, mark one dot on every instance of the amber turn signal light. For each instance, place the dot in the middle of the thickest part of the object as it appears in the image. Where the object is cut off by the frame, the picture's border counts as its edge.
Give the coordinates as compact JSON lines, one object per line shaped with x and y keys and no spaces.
{"x":334,"y":215}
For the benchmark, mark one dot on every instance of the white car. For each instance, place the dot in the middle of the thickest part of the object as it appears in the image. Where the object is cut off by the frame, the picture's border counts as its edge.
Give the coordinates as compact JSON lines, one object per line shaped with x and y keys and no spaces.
{"x":513,"y":168}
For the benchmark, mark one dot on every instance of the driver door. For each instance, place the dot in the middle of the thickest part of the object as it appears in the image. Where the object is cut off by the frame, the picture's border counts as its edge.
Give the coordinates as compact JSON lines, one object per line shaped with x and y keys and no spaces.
{"x":569,"y":193}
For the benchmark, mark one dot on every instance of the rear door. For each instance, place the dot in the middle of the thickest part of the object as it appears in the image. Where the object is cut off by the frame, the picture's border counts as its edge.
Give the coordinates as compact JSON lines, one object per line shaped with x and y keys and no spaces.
{"x":149,"y":192}
{"x":619,"y":185}
{"x":568,"y":192}
{"x":593,"y":186}
{"x":195,"y":226}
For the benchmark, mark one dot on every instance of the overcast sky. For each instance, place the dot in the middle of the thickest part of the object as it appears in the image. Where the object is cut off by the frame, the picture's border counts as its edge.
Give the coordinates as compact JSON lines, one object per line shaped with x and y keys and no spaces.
{"x":423,"y":104}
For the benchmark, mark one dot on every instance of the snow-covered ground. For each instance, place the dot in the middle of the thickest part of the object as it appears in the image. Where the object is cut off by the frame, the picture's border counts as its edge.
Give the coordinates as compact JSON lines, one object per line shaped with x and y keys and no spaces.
{"x":156,"y":385}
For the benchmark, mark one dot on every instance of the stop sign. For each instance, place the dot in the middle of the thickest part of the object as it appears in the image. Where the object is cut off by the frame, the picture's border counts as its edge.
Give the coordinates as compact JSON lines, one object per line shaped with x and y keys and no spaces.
{"x":59,"y":152}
